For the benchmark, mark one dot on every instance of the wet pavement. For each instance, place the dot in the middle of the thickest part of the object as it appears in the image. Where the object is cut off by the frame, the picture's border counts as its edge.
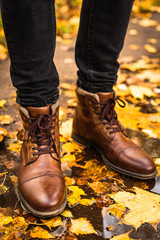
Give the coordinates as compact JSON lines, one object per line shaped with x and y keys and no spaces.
{"x":98,"y":216}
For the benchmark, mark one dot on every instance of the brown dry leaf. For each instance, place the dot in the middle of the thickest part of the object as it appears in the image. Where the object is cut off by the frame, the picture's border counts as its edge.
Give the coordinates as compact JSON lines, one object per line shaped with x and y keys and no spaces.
{"x":2,"y":103}
{"x":67,"y":214}
{"x":39,"y":232}
{"x":150,"y":48}
{"x":100,"y":187}
{"x":53,"y":222}
{"x":103,"y":201}
{"x":148,"y":22}
{"x":140,"y":92}
{"x":5,"y":119}
{"x":138,"y":208}
{"x":15,"y":147}
{"x":82,"y":226}
{"x":66,"y":128}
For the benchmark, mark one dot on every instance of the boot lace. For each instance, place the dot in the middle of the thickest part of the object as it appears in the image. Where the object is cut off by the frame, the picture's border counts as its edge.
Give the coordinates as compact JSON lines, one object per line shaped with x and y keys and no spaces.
{"x":40,"y":133}
{"x":109,"y":116}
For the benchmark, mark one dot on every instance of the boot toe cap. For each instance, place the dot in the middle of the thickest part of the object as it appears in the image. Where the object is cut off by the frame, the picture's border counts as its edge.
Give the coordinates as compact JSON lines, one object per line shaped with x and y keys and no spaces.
{"x":136,"y":160}
{"x":44,"y":194}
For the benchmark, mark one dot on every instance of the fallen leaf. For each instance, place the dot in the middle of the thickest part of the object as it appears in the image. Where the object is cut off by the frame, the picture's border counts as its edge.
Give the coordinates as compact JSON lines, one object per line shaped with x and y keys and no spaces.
{"x":5,"y":219}
{"x":2,"y":103}
{"x":81,"y":226}
{"x":124,"y":236}
{"x":15,"y":147}
{"x":70,"y":147}
{"x":66,"y":128}
{"x":150,"y":48}
{"x":133,"y":32}
{"x":69,"y":181}
{"x":5,"y":119}
{"x":53,"y":222}
{"x":74,"y":195}
{"x":14,"y":180}
{"x":152,"y":40}
{"x":140,"y":92}
{"x":67,"y":214}
{"x":138,"y":208}
{"x":148,"y":22}
{"x":68,"y":158}
{"x":39,"y":232}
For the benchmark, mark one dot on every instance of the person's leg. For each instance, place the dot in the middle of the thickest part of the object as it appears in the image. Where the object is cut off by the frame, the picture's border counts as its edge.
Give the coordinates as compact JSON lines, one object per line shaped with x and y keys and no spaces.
{"x":100,"y":39}
{"x":101,"y":35}
{"x":30,"y":30}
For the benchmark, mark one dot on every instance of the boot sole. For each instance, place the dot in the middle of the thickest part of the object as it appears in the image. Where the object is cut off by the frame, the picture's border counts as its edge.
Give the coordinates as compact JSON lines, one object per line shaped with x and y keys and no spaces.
{"x":85,"y":143}
{"x":29,"y":209}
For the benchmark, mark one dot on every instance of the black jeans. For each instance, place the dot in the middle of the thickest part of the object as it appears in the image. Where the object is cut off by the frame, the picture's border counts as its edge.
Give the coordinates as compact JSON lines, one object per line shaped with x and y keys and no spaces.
{"x":30,"y":30}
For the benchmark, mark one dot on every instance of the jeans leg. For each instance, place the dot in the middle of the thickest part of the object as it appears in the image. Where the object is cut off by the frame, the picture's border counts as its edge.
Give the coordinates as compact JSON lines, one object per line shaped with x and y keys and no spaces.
{"x":101,"y":35}
{"x":30,"y":30}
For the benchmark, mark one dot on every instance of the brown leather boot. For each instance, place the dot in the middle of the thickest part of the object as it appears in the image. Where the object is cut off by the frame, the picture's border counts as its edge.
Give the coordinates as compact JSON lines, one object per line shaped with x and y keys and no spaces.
{"x":41,"y":186}
{"x":95,"y":124}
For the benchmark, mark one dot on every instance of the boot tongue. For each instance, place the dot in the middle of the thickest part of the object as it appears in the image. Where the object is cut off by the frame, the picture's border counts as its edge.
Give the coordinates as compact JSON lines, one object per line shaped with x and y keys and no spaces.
{"x":104,"y":97}
{"x":36,"y":111}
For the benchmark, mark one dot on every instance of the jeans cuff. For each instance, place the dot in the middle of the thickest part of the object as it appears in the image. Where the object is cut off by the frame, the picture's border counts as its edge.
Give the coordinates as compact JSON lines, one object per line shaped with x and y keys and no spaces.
{"x":42,"y":103}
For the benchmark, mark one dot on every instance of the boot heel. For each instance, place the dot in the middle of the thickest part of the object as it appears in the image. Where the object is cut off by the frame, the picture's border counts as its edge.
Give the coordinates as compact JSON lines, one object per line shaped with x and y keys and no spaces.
{"x":81,"y":141}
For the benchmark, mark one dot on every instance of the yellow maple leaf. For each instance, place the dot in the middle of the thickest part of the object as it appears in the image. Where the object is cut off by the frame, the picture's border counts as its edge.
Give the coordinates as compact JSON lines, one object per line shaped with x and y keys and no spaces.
{"x":74,"y":195}
{"x":69,"y":181}
{"x":68,"y":158}
{"x":122,"y":237}
{"x":39,"y":232}
{"x":19,"y":222}
{"x":138,"y":205}
{"x":67,"y":214}
{"x":5,"y":219}
{"x":81,"y":226}
{"x":15,"y":147}
{"x":140,"y":92}
{"x":70,"y":147}
{"x":53,"y":222}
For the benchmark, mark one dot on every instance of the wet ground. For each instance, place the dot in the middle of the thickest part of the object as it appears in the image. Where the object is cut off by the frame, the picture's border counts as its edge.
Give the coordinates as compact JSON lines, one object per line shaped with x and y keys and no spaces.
{"x":106,"y":225}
